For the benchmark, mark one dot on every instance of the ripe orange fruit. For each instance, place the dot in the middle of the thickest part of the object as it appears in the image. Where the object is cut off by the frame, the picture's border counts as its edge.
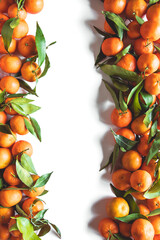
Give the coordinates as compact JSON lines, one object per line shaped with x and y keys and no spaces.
{"x":138,"y":195}
{"x":117,"y":207}
{"x":112,"y":46}
{"x":7,"y":140}
{"x":128,"y":62}
{"x":150,"y":30}
{"x":18,"y":125}
{"x":34,"y":192}
{"x":3,"y":118}
{"x":36,"y":207}
{"x":152,"y":84}
{"x":148,"y":63}
{"x":121,"y":119}
{"x":125,"y":229}
{"x":158,"y":55}
{"x":139,"y":7}
{"x":9,"y":110}
{"x":13,"y":12}
{"x":155,"y":221}
{"x":30,"y":71}
{"x":143,"y":146}
{"x":127,"y":133}
{"x":134,"y":30}
{"x":4,"y":232}
{"x":6,"y":214}
{"x":142,"y":229}
{"x":107,"y":28}
{"x":10,"y":84}
{"x":143,"y":209}
{"x":150,"y":168}
{"x":131,"y":160}
{"x":153,"y":12}
{"x":140,"y":180}
{"x":138,"y":127}
{"x":142,"y":46}
{"x":27,"y":46}
{"x":22,"y":146}
{"x":10,"y":175}
{"x":116,"y":7}
{"x":14,"y":233}
{"x":21,"y":30}
{"x":9,"y":198}
{"x":10,"y":63}
{"x":3,"y":18}
{"x":121,"y":179}
{"x":4,"y":4}
{"x":106,"y":226}
{"x":33,"y":6}
{"x":5,"y":157}
{"x":153,"y":203}
{"x":12,"y":47}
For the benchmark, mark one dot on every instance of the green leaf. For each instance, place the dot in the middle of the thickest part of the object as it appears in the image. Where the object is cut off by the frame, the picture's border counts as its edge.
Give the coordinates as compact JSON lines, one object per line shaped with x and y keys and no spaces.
{"x":132,"y":92}
{"x":21,"y":101}
{"x":14,"y":23}
{"x":44,"y":193}
{"x":123,"y":105}
{"x":24,"y":175}
{"x":26,"y":87}
{"x":18,"y":109}
{"x":116,"y":19}
{"x":46,"y":67}
{"x":148,"y":117}
{"x":139,"y":19}
{"x":42,"y":180}
{"x":1,"y":183}
{"x":52,"y":43}
{"x":113,"y":70}
{"x":41,"y":45}
{"x":153,"y":192}
{"x":157,"y":48}
{"x":56,"y":230}
{"x":37,"y":128}
{"x":20,"y":211}
{"x":116,"y":191}
{"x":154,"y":212}
{"x":154,"y":148}
{"x":151,"y":2}
{"x":105,"y":34}
{"x":29,"y":127}
{"x":136,"y":106}
{"x":108,"y":162}
{"x":5,"y":128}
{"x":131,"y":217}
{"x":40,"y":215}
{"x":13,"y":227}
{"x":2,"y":96}
{"x":17,"y":95}
{"x":132,"y":204}
{"x":29,"y":108}
{"x":120,"y":85}
{"x":7,"y":33}
{"x":148,"y":98}
{"x":27,"y":163}
{"x":44,"y":230}
{"x":113,"y":94}
{"x":115,"y":156}
{"x":122,"y":53}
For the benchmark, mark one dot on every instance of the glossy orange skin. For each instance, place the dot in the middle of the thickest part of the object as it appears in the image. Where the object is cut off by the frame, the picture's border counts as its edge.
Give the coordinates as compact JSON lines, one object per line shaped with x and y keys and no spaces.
{"x":4,"y":232}
{"x":13,"y":12}
{"x":9,"y":110}
{"x":140,"y":180}
{"x":143,"y":209}
{"x":10,"y":63}
{"x":12,"y":47}
{"x":112,"y":46}
{"x":134,"y":30}
{"x":138,"y":195}
{"x":155,"y":221}
{"x":106,"y":226}
{"x":142,"y":229}
{"x":158,"y":55}
{"x":6,"y":214}
{"x":7,"y":140}
{"x":3,"y":18}
{"x":152,"y":84}
{"x":33,"y":6}
{"x":116,"y":6}
{"x":107,"y":28}
{"x":150,"y":30}
{"x":15,"y":233}
{"x":148,"y":63}
{"x":4,"y":4}
{"x":143,"y":146}
{"x":30,"y":71}
{"x":127,"y":133}
{"x":121,"y":179}
{"x":18,"y":126}
{"x":125,"y":229}
{"x":9,"y":198}
{"x":20,"y":146}
{"x":153,"y":203}
{"x":117,"y":207}
{"x":142,"y":46}
{"x":10,"y":175}
{"x":135,"y":6}
{"x":131,"y":160}
{"x":10,"y":84}
{"x":138,"y":127}
{"x":21,"y":30}
{"x":27,"y":46}
{"x":34,"y":193}
{"x":128,"y":62}
{"x":150,"y":168}
{"x":3,"y":117}
{"x":153,"y":12}
{"x":121,"y":119}
{"x":37,"y":207}
{"x":5,"y":157}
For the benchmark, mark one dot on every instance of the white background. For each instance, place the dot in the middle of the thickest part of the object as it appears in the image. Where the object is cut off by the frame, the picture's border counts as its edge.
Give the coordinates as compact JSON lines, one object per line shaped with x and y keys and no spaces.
{"x":75,"y":119}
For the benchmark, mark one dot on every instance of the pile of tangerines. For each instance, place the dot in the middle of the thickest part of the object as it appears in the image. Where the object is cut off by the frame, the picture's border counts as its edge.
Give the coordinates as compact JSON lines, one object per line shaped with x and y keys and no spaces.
{"x":21,"y":58}
{"x":130,"y":55}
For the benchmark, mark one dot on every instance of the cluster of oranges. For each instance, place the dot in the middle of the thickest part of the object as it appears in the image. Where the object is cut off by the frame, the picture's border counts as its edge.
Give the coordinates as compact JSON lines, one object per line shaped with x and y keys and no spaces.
{"x":136,"y":78}
{"x":17,"y":60}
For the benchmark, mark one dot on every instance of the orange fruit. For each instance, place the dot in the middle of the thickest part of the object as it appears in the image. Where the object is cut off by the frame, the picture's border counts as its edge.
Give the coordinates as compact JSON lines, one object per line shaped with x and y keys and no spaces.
{"x":13,"y":12}
{"x":107,"y":28}
{"x":4,"y":232}
{"x":152,"y":84}
{"x":10,"y":175}
{"x":143,"y":146}
{"x":27,"y":46}
{"x":158,"y":55}
{"x":22,"y":146}
{"x":121,"y":179}
{"x":125,"y":229}
{"x":140,"y":180}
{"x":107,"y":226}
{"x":138,"y":127}
{"x":29,"y":206}
{"x":14,"y":233}
{"x":3,"y":118}
{"x":18,"y":126}
{"x":155,"y":221}
{"x":117,"y":207}
{"x":121,"y":119}
{"x":6,"y":214}
{"x":10,"y":63}
{"x":33,"y":6}
{"x":143,"y":209}
{"x":153,"y":203}
{"x":3,"y":19}
{"x":30,"y":71}
{"x":4,"y":4}
{"x":7,"y":140}
{"x":34,"y":192}
{"x":143,"y":46}
{"x":9,"y":198}
{"x":10,"y":84}
{"x":116,"y":6}
{"x":128,"y":62}
{"x":150,"y":168}
{"x":127,"y":133}
{"x":156,"y":237}
{"x":21,"y":30}
{"x":131,"y":160}
{"x":138,"y":195}
{"x":142,"y":229}
{"x":9,"y":110}
{"x":112,"y":46}
{"x":148,"y":63}
{"x":150,"y":30}
{"x":153,"y":12}
{"x":5,"y":157}
{"x":139,"y":7}
{"x":134,"y":30}
{"x":12,"y":47}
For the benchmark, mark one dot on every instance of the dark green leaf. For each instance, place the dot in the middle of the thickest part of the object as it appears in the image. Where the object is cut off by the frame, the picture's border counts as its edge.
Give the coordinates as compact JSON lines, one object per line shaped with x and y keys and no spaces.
{"x":148,"y":98}
{"x":20,"y":211}
{"x":116,"y":19}
{"x":24,"y":175}
{"x":17,"y":95}
{"x":154,"y":212}
{"x":42,"y":180}
{"x":100,"y":57}
{"x":118,"y":84}
{"x":56,"y":229}
{"x":52,"y":43}
{"x":131,"y":217}
{"x":122,"y":103}
{"x":136,"y":106}
{"x":115,"y":156}
{"x":122,"y":53}
{"x":7,"y":33}
{"x":116,"y":191}
{"x":154,"y":148}
{"x":26,"y":87}
{"x":108,"y":162}
{"x":46,"y":67}
{"x":2,"y":96}
{"x":27,"y":163}
{"x":105,"y":34}
{"x":148,"y":117}
{"x":113,"y":94}
{"x":44,"y":230}
{"x":132,"y":204}
{"x":37,"y":128}
{"x":41,"y":45}
{"x":132,"y":92}
{"x":44,"y":193}
{"x":129,"y":191}
{"x":1,"y":183}
{"x":5,"y":128}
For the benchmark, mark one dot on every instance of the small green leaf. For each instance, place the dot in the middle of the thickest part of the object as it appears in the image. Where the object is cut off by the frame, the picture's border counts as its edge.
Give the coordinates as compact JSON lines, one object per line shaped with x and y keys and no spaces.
{"x":154,"y":212}
{"x":132,"y":92}
{"x":44,"y":230}
{"x":116,"y":191}
{"x":42,"y":180}
{"x":132,"y":204}
{"x":123,"y":105}
{"x":136,"y":106}
{"x":52,"y":43}
{"x":27,"y":163}
{"x":153,"y":192}
{"x":1,"y":183}
{"x":40,"y":215}
{"x":56,"y":229}
{"x":20,"y":211}
{"x":139,"y":19}
{"x":41,"y":45}
{"x":46,"y":67}
{"x":113,"y":94}
{"x":29,"y":127}
{"x":157,"y":48}
{"x":120,"y":85}
{"x":24,"y":175}
{"x":148,"y":117}
{"x":26,"y":87}
{"x":2,"y":96}
{"x":116,"y":19}
{"x":29,"y":108}
{"x":13,"y":227}
{"x":148,"y":98}
{"x":122,"y":53}
{"x":44,"y":193}
{"x":7,"y":33}
{"x":14,"y":23}
{"x":154,"y":148}
{"x":131,"y":217}
{"x":115,"y":156}
{"x":37,"y":128}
